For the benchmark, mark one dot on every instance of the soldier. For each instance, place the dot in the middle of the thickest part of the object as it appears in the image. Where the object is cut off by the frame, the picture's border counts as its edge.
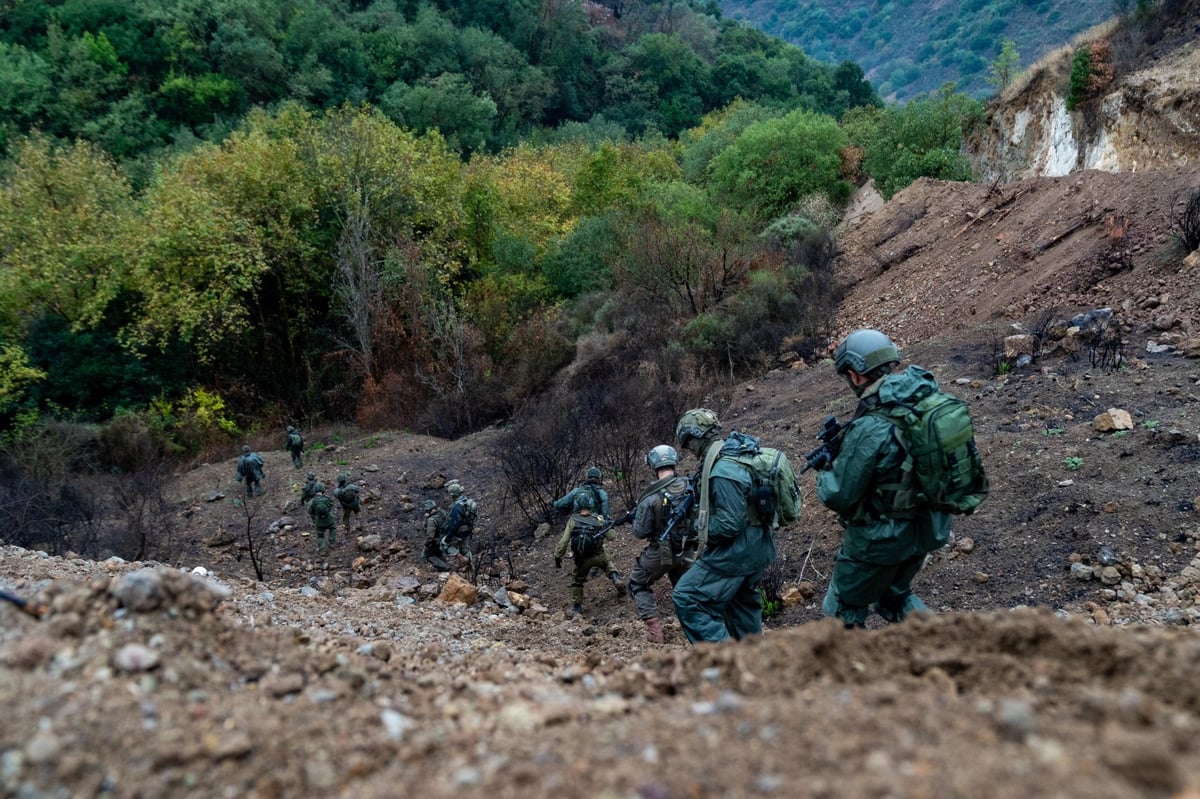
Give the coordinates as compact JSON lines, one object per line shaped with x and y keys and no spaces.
{"x":320,"y":510}
{"x":435,"y":520}
{"x":890,"y":524}
{"x":585,"y":535}
{"x":717,"y":598}
{"x":346,"y":494}
{"x":294,"y":443}
{"x":670,"y":557}
{"x":459,"y":524}
{"x":250,"y":471}
{"x":309,"y":490}
{"x":591,"y":486}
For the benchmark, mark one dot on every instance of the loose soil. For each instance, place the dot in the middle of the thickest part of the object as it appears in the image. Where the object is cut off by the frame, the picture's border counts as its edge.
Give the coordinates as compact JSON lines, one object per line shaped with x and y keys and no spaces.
{"x":1060,"y":662}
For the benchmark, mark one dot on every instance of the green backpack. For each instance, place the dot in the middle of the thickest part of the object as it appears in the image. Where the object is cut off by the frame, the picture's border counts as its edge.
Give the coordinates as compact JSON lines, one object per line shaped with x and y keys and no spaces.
{"x":776,"y":493}
{"x":321,"y":511}
{"x":942,"y":468}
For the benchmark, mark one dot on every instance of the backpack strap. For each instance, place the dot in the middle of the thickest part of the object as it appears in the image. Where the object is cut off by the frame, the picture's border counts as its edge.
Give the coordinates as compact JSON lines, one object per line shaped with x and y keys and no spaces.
{"x":597,"y":507}
{"x":710,"y":457}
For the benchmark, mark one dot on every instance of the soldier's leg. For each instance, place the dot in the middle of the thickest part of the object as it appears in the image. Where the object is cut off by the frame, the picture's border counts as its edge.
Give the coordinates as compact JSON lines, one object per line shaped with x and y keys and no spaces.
{"x":646,"y":569}
{"x":898,"y":600}
{"x":700,"y":599}
{"x":743,"y":614}
{"x":853,"y":588}
{"x":578,"y":578}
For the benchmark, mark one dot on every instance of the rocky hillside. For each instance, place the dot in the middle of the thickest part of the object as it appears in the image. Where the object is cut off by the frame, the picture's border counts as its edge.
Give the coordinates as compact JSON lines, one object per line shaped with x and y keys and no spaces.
{"x":1061,"y":661}
{"x":1137,"y":118}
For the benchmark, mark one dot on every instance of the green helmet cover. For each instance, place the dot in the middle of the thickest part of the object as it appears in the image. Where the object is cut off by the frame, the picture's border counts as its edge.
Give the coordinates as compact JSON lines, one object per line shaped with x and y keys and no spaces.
{"x":863,"y":351}
{"x":696,"y":423}
{"x":662,"y":455}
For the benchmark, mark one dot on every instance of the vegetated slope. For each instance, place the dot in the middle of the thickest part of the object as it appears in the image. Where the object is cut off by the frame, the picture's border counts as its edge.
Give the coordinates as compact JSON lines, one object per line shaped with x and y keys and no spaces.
{"x":347,"y":675}
{"x":915,"y":46}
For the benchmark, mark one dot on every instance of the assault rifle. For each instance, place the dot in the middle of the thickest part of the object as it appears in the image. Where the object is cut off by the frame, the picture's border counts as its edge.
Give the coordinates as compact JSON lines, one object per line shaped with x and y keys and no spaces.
{"x":26,"y":606}
{"x":681,"y":512}
{"x":831,"y":443}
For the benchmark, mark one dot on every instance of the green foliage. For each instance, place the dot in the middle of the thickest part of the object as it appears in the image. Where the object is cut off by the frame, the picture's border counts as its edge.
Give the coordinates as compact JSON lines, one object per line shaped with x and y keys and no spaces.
{"x":65,"y":228}
{"x":772,"y":164}
{"x":16,"y":376}
{"x":770,"y":607}
{"x":920,"y":139}
{"x":1073,"y":462}
{"x":948,"y":41}
{"x":1081,"y":73}
{"x":1004,"y":68}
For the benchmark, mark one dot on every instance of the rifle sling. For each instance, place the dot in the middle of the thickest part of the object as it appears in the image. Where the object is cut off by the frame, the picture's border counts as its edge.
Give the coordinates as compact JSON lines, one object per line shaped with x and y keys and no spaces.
{"x":710,"y":457}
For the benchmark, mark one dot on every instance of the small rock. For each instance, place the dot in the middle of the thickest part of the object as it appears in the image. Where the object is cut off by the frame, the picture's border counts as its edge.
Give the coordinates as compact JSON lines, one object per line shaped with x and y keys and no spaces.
{"x":1082,"y":572}
{"x":369,"y":543}
{"x":139,"y":591}
{"x":135,"y":658}
{"x":1109,"y":575}
{"x":1111,"y":420}
{"x":458,"y":590}
{"x":965,"y":545}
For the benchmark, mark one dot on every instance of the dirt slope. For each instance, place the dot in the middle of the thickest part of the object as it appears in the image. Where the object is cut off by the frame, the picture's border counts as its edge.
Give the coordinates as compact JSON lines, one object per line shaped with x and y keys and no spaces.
{"x":346,"y":676}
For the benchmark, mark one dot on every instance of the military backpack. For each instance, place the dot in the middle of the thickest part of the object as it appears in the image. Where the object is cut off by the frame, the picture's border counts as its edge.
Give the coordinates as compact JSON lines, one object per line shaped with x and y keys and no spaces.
{"x":321,"y":511}
{"x":775,"y":497}
{"x":587,"y":537}
{"x":942,"y":470}
{"x":348,"y":496}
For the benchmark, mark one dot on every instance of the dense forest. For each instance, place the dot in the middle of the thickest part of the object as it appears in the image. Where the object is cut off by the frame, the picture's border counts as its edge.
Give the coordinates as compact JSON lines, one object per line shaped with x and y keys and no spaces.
{"x":219,"y":217}
{"x":908,"y":47}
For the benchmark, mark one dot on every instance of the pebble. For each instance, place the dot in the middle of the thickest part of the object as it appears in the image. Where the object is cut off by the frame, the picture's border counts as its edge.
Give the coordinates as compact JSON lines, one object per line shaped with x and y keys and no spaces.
{"x":134,"y":658}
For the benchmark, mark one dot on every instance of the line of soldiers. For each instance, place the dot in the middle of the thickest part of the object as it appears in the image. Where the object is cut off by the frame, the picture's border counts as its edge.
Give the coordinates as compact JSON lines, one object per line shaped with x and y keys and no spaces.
{"x":716,"y":573}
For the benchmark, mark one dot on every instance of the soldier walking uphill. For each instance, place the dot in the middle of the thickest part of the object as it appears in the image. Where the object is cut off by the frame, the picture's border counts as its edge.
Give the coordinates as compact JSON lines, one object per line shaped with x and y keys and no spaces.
{"x":250,"y":472}
{"x":718,"y":596}
{"x":592,"y":487}
{"x":905,"y":463}
{"x":585,"y":535}
{"x":435,"y":520}
{"x":309,"y":489}
{"x":294,"y":444}
{"x":459,"y":524}
{"x":346,"y":494}
{"x":320,"y":510}
{"x":671,"y":556}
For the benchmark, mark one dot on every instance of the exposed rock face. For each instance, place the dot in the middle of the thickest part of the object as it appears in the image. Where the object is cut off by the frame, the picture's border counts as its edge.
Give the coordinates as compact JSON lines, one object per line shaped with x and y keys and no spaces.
{"x":1149,"y":119}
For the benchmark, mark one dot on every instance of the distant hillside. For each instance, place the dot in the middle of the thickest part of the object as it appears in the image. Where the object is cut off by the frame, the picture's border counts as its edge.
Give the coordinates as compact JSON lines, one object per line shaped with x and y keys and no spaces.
{"x":908,"y":47}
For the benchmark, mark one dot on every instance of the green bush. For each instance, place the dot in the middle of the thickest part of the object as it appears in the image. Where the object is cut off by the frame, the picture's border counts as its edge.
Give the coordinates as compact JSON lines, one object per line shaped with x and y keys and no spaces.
{"x":1081,"y":71}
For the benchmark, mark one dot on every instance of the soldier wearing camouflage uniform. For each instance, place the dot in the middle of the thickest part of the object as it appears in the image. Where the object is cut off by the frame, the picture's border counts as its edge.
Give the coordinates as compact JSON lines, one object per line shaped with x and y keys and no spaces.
{"x":718,"y":597}
{"x":320,"y":510}
{"x":435,"y":520}
{"x":880,"y":555}
{"x":250,"y":471}
{"x":309,"y":489}
{"x":649,"y":522}
{"x":346,"y":494}
{"x":592,"y":487}
{"x":294,"y":444}
{"x":583,"y":516}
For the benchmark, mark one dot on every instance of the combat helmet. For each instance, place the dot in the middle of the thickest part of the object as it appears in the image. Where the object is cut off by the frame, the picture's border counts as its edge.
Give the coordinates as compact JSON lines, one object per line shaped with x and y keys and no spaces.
{"x":430,"y":505}
{"x":319,"y":488}
{"x":698,"y":423}
{"x":291,"y":429}
{"x":864,"y":351}
{"x":661,"y":456}
{"x":310,"y":474}
{"x":594,"y":473}
{"x":342,"y":478}
{"x":454,"y":490}
{"x":245,"y":448}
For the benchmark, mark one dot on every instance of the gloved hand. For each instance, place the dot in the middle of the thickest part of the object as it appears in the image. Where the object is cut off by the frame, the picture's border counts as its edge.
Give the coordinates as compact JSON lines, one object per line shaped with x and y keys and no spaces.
{"x":558,"y":563}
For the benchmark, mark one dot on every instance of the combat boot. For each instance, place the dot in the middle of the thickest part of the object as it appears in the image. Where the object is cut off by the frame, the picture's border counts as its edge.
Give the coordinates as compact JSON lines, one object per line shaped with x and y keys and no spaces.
{"x":617,"y":582}
{"x":577,"y":609}
{"x":654,"y":630}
